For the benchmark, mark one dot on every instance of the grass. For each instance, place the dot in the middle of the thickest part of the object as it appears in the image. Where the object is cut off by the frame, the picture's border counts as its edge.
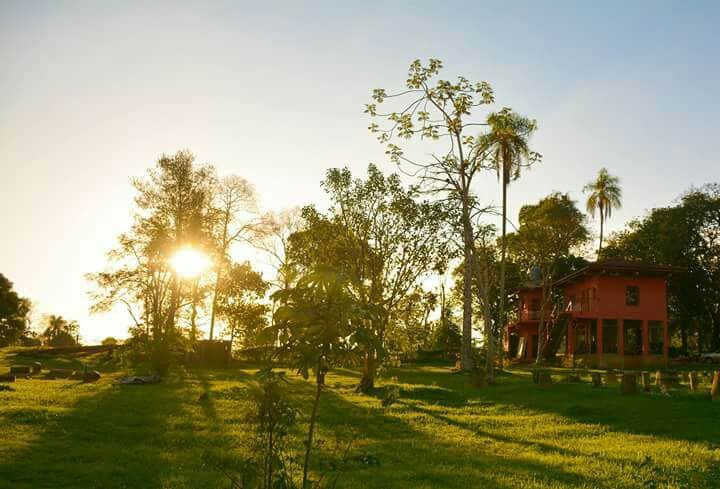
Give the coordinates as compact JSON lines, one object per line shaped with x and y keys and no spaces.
{"x":441,"y":432}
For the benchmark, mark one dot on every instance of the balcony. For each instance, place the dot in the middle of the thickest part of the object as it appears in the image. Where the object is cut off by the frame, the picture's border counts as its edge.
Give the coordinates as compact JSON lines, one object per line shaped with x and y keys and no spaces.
{"x":581,"y":306}
{"x":529,"y":315}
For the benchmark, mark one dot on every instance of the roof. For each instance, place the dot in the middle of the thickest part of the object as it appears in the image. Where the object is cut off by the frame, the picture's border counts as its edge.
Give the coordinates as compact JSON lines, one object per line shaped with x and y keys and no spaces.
{"x":620,"y":267}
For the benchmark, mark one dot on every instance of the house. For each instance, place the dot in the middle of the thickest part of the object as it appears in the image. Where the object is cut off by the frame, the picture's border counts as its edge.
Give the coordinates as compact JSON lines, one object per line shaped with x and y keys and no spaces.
{"x":614,"y":316}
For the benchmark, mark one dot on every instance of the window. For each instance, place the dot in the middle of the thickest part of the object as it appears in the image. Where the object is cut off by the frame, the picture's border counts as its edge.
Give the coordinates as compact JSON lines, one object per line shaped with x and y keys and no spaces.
{"x":610,"y":337}
{"x":632,"y":295}
{"x":632,"y":344}
{"x":580,"y":339}
{"x":657,"y":337}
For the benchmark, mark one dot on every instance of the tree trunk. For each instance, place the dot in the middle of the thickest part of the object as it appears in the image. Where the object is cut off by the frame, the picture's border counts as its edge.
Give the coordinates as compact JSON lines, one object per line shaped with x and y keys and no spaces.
{"x":214,"y":302}
{"x":501,"y":285}
{"x":602,"y":225}
{"x":715,"y":388}
{"x":466,"y":350}
{"x":483,"y":285}
{"x":367,"y":382}
{"x":313,"y":416}
{"x":541,"y":324}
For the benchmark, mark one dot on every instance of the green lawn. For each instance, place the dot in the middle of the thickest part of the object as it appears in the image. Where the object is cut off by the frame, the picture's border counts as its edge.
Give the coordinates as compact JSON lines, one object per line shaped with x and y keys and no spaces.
{"x":442,"y":433}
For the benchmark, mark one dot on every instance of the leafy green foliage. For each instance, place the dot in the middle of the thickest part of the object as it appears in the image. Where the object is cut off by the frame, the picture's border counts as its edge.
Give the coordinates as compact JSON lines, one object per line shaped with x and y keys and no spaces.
{"x":605,"y":195}
{"x":14,"y":311}
{"x":384,"y":240}
{"x":59,"y":332}
{"x":686,"y":235}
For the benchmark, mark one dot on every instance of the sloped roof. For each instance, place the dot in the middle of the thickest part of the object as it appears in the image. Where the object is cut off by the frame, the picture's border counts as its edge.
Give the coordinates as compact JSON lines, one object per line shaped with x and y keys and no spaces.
{"x":620,"y":267}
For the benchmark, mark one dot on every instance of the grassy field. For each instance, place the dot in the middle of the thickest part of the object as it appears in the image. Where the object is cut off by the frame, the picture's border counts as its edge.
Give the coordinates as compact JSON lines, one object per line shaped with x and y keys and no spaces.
{"x":441,"y":433}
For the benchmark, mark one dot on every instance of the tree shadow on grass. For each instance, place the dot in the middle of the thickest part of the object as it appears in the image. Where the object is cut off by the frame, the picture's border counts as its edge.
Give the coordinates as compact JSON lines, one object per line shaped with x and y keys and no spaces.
{"x":682,"y":417}
{"x":408,"y":455}
{"x":131,"y":436}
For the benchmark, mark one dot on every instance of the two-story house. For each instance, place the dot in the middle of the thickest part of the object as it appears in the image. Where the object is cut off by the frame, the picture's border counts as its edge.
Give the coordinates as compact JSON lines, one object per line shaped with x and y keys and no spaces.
{"x":615,"y":316}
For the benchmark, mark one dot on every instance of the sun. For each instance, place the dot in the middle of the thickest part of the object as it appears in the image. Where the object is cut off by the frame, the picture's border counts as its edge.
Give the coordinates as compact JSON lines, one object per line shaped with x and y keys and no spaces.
{"x":189,"y":262}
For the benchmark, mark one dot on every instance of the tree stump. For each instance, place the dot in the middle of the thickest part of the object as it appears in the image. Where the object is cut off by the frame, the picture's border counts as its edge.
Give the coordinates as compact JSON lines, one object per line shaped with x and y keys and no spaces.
{"x":36,"y":368}
{"x":7,"y":378}
{"x":58,"y":373}
{"x":596,"y":379}
{"x":20,"y":369}
{"x":629,"y":383}
{"x":544,"y":379}
{"x":90,"y":376}
{"x":693,"y":381}
{"x":478,"y":379}
{"x":536,"y":376}
{"x":715,"y":389}
{"x":611,"y":378}
{"x":645,"y":380}
{"x":667,"y":380}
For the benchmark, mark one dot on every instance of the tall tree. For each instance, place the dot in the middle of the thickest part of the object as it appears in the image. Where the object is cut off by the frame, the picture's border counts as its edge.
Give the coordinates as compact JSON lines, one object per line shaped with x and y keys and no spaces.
{"x":382,"y":238}
{"x":548,"y":232}
{"x":14,"y":313}
{"x":172,"y":213}
{"x":507,"y":143}
{"x":235,"y":216}
{"x":605,"y":194}
{"x":440,"y":111}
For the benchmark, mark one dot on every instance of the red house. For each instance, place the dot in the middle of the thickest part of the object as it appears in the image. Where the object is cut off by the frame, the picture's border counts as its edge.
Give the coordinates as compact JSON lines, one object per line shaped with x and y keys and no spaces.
{"x":615,"y":315}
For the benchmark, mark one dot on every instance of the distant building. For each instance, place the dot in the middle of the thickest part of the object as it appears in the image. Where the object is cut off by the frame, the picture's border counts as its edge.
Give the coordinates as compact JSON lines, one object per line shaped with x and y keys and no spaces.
{"x":615,"y":316}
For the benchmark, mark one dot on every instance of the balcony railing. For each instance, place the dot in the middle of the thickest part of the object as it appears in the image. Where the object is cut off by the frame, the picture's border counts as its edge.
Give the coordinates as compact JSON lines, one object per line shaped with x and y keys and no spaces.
{"x":528,"y":315}
{"x":582,"y":306}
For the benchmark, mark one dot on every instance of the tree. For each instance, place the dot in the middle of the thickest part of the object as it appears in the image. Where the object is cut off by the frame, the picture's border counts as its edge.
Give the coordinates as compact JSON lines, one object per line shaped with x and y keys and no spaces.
{"x":686,"y":235}
{"x":320,"y":314}
{"x":507,"y":143}
{"x":548,"y":232}
{"x":172,"y":213}
{"x":238,"y":300}
{"x":605,"y":194}
{"x":382,"y":238}
{"x":14,"y":313}
{"x":440,"y":111}
{"x":59,"y":332}
{"x":235,"y":216}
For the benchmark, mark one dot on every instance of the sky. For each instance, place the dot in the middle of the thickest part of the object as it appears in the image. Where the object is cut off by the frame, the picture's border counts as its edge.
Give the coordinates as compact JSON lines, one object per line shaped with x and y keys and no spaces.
{"x":91,"y":93}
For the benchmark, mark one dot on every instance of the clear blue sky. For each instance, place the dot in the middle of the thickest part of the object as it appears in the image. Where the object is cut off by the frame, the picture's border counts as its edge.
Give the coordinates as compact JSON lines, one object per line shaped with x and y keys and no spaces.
{"x":92,"y":92}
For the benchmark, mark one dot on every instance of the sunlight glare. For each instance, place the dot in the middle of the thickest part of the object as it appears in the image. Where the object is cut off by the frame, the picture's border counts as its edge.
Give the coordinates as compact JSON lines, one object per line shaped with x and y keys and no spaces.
{"x":189,"y":262}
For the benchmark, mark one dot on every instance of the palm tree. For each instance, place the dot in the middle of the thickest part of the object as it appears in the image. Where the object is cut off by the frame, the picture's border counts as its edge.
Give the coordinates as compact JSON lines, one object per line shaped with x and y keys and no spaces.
{"x":507,"y":144}
{"x":605,"y":194}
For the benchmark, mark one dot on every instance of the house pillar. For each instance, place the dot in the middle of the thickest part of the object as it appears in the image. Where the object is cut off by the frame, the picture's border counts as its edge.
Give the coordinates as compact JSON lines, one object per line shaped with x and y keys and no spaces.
{"x":529,"y":349}
{"x":645,"y":338}
{"x":599,"y":335}
{"x":570,"y":350}
{"x":666,"y":340}
{"x":621,"y":336}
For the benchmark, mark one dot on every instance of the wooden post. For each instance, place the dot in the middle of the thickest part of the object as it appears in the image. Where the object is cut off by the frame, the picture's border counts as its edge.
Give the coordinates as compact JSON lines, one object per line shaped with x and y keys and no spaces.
{"x":571,"y":337}
{"x":645,"y":338}
{"x":693,"y":381}
{"x":599,"y":326}
{"x":596,"y":379}
{"x":715,"y":389}
{"x":544,"y":378}
{"x":529,"y":347}
{"x":621,"y":338}
{"x":629,"y":383}
{"x":645,"y":376}
{"x":666,"y":341}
